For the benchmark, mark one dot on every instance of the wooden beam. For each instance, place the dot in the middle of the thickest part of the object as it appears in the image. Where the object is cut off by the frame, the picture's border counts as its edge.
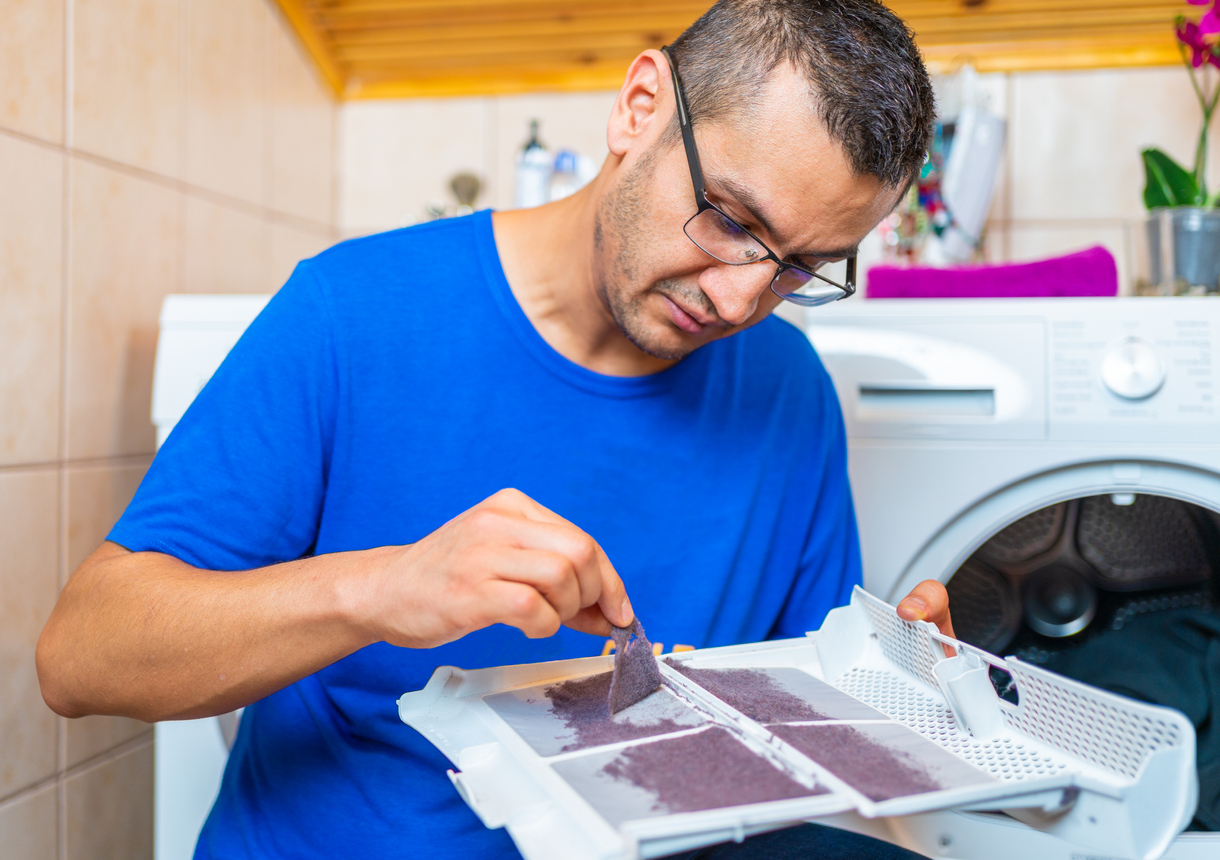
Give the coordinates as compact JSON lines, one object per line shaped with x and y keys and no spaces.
{"x":601,"y":26}
{"x":397,"y":48}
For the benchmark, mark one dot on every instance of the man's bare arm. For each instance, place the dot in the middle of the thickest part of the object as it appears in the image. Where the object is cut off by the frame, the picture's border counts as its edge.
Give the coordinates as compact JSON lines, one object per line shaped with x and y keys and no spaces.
{"x":148,"y":636}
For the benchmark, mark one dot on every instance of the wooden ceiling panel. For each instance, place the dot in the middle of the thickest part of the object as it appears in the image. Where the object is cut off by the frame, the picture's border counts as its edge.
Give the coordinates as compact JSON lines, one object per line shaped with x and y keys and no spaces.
{"x":400,"y":48}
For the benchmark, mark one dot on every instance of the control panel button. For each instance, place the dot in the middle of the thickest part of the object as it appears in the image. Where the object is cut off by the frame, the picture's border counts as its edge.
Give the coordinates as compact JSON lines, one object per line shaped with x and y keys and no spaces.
{"x":1133,"y":369}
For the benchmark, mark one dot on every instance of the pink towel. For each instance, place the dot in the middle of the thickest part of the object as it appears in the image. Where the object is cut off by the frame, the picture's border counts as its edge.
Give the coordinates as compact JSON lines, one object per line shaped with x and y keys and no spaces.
{"x":1086,"y":273}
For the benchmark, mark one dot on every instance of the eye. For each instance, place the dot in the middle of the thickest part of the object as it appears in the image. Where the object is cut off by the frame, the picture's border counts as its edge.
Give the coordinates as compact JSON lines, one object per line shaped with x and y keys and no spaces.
{"x":811,"y":263}
{"x":728,"y":227}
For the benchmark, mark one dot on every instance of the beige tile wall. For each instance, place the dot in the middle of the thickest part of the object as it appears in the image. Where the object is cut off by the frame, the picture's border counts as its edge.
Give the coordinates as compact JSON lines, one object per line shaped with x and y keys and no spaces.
{"x":397,"y":156}
{"x":1072,"y":175}
{"x":146,"y":147}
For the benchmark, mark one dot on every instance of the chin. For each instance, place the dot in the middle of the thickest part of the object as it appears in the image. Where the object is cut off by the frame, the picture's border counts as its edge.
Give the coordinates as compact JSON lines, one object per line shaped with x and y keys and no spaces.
{"x":662,"y":339}
{"x":668,"y":351}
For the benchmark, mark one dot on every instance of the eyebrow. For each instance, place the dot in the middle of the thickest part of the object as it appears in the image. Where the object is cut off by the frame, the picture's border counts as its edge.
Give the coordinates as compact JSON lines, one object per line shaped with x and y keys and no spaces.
{"x":751,"y":203}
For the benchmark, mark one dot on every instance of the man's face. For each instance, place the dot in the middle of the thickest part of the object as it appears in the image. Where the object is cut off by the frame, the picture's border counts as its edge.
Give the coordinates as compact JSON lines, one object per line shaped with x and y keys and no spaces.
{"x":775,"y":171}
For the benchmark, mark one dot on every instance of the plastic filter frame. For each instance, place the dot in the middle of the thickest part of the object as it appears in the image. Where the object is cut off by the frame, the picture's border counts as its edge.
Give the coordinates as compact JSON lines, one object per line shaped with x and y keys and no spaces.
{"x":866,"y":714}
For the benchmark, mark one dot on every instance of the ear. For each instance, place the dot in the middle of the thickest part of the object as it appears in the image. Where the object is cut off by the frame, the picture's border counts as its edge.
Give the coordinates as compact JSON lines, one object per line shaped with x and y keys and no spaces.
{"x":644,"y":104}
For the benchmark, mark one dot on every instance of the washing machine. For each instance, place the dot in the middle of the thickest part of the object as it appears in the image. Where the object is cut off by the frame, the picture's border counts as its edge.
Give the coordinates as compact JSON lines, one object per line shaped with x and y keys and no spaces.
{"x":1055,"y":462}
{"x":196,"y":333}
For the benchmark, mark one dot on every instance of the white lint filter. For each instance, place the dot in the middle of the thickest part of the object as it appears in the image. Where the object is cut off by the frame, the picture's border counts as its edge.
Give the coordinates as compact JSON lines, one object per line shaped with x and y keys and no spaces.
{"x":866,"y":714}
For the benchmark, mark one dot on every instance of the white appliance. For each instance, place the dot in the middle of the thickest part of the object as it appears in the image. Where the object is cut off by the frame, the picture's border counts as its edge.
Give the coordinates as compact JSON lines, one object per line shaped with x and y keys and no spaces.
{"x":967,"y":416}
{"x":197,"y":332}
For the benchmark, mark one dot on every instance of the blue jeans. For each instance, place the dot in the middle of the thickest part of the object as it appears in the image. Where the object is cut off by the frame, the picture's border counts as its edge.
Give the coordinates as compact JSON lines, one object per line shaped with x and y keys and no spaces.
{"x":806,"y":842}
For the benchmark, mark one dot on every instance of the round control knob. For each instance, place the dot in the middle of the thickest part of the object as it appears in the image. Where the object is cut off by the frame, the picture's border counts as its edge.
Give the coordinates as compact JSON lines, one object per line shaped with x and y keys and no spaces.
{"x":1133,"y":370}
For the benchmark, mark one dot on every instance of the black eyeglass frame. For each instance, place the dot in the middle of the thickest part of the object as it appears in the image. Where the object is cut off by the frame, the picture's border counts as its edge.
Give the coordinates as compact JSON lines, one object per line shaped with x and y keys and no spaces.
{"x":703,"y":204}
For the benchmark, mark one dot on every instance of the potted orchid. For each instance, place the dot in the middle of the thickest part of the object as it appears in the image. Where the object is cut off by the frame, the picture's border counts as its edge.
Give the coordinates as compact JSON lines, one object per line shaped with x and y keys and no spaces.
{"x":1181,"y":238}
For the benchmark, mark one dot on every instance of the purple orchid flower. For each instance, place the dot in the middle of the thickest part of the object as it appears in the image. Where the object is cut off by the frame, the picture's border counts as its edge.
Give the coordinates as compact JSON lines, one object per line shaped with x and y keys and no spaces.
{"x":1209,"y":27}
{"x":1201,"y":44}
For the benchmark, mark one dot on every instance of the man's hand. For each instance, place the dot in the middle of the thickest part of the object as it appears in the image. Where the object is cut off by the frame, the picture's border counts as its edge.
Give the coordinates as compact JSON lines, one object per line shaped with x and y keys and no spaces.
{"x":507,"y":560}
{"x":928,"y":601}
{"x":145,"y":635}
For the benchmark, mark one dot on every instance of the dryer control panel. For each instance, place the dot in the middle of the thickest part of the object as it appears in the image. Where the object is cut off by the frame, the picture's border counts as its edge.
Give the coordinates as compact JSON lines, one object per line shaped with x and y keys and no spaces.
{"x":1130,"y":369}
{"x":1137,"y":364}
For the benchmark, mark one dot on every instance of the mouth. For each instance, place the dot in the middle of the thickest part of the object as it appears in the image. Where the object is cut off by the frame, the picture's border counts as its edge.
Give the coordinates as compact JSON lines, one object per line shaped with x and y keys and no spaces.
{"x":685,"y":319}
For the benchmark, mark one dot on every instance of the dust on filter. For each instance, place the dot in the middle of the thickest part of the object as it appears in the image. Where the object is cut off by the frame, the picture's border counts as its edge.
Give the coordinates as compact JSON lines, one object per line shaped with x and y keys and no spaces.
{"x":584,"y":706}
{"x":636,"y":676}
{"x":867,"y":765}
{"x":751,"y":691}
{"x":706,"y":770}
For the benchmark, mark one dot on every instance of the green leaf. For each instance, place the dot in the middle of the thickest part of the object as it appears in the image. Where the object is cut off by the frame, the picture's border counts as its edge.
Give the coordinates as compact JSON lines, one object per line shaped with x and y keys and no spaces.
{"x":1167,"y":183}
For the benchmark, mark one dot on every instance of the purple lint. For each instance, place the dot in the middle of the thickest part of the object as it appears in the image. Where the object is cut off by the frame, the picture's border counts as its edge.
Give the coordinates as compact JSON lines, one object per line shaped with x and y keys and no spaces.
{"x":705,"y":770}
{"x":753,"y":692}
{"x":584,"y":705}
{"x":871,"y":768}
{"x":636,"y":676}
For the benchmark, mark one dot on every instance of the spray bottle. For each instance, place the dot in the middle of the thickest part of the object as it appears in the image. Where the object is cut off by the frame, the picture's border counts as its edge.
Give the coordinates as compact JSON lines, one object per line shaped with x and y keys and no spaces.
{"x":533,"y":173}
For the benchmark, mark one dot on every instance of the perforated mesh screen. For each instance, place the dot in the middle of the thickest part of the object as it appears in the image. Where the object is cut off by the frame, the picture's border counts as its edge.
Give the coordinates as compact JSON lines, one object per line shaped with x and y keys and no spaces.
{"x":1150,"y":543}
{"x":901,"y":700}
{"x":1086,"y":723}
{"x":902,"y":642}
{"x":1028,"y":537}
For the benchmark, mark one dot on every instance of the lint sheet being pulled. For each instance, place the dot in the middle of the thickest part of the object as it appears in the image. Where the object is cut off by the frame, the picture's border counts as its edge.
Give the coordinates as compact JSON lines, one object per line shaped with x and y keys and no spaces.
{"x":866,"y":714}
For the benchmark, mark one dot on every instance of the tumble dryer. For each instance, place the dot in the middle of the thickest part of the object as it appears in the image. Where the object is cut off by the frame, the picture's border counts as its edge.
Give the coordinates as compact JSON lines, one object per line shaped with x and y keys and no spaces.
{"x":1056,"y":462}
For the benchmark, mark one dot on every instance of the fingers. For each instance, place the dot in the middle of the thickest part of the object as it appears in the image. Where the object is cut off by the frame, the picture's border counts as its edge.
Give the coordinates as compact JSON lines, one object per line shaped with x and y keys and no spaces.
{"x":565,"y":540}
{"x":613,"y":602}
{"x":928,"y":601}
{"x":590,"y":620}
{"x":537,"y":528}
{"x":506,"y":560}
{"x":551,"y":574}
{"x":521,"y":606}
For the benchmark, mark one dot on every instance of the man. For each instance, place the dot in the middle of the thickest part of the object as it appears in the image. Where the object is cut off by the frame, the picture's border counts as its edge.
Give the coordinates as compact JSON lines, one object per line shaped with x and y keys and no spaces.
{"x":332,"y":511}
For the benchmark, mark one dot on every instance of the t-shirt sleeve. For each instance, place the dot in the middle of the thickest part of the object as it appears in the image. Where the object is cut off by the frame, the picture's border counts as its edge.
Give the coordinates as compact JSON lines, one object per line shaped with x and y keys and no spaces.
{"x":240,"y":481}
{"x":830,"y":562}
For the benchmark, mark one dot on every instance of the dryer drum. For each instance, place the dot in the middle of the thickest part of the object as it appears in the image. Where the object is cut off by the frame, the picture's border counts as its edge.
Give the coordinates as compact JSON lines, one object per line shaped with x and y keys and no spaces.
{"x":1153,"y":542}
{"x":1029,"y":577}
{"x":985,"y":608}
{"x":1027,"y":538}
{"x":1058,"y":601}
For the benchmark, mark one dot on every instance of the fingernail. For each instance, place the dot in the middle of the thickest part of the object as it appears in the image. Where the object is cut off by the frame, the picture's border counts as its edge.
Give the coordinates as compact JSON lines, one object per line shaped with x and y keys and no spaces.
{"x":916,"y":605}
{"x":627,"y":613}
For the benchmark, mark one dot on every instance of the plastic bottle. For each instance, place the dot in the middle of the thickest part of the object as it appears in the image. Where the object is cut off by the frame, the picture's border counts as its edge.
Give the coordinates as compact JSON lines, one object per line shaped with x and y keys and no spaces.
{"x":564,"y":179}
{"x":533,"y":172}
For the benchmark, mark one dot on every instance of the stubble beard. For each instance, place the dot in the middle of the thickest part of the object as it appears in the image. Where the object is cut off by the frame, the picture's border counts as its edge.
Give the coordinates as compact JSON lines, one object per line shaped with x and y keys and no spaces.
{"x":621,"y":233}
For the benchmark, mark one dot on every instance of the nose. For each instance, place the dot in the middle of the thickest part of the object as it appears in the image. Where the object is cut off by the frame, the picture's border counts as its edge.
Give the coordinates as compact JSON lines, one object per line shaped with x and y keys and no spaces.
{"x":735,"y":290}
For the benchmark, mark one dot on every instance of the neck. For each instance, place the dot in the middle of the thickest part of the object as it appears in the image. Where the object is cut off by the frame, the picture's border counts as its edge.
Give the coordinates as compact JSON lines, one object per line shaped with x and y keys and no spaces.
{"x":552,"y":266}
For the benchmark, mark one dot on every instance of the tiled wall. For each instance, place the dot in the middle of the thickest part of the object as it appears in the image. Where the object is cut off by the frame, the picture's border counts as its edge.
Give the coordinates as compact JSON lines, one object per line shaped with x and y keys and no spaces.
{"x":1072,"y":175}
{"x":396,"y":157}
{"x":146,"y":147}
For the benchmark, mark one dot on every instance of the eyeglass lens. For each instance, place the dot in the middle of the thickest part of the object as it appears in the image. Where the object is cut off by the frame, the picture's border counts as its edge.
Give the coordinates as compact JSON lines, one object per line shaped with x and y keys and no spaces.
{"x":804,"y":289}
{"x":724,"y":238}
{"x":728,"y":242}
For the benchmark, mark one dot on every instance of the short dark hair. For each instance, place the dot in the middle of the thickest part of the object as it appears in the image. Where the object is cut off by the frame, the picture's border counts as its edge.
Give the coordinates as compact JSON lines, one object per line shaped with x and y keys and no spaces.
{"x":869,"y":84}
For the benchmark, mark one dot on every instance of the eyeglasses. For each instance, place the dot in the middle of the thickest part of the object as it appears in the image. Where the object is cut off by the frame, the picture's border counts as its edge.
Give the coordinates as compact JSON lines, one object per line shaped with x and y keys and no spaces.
{"x":720,"y":236}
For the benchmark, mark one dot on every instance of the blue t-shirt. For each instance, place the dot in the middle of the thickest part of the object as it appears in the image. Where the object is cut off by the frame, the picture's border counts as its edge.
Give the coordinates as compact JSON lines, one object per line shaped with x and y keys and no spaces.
{"x":393,"y":383}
